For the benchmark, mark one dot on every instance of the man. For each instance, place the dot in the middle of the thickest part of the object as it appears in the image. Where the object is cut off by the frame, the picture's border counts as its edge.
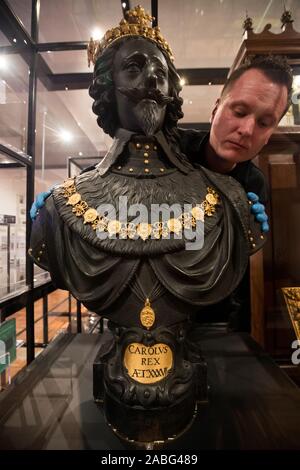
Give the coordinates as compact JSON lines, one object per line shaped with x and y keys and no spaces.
{"x":138,"y":273}
{"x":253,"y":100}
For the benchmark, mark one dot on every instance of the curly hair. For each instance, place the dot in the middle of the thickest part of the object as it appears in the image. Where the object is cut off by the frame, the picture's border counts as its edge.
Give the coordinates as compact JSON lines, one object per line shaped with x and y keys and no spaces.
{"x":103,"y":92}
{"x":274,"y":67}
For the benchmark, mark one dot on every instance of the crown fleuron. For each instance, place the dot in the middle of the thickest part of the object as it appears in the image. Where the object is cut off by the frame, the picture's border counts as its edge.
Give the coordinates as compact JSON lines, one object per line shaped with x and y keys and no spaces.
{"x":137,"y":23}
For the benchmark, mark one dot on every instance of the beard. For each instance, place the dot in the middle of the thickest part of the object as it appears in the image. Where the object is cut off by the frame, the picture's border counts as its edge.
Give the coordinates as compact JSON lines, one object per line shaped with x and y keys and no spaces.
{"x":149,"y":116}
{"x":149,"y":107}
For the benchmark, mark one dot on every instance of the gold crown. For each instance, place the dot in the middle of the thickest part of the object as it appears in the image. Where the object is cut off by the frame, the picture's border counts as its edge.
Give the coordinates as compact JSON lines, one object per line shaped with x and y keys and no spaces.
{"x":137,"y":23}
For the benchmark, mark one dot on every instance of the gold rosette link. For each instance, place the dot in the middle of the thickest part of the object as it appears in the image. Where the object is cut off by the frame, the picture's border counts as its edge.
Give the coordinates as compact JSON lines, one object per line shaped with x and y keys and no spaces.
{"x":68,"y":188}
{"x":131,"y":230}
{"x":67,"y":183}
{"x":101,"y":224}
{"x":144,"y":230}
{"x":80,"y":208}
{"x":211,"y":201}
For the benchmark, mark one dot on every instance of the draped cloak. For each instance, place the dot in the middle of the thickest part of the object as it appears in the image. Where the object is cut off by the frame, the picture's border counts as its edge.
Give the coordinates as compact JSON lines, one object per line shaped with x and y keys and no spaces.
{"x":100,"y":272}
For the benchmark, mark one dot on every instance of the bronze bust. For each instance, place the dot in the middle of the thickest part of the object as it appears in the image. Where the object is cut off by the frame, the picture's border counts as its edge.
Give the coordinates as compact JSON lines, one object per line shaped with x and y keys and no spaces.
{"x":148,"y":274}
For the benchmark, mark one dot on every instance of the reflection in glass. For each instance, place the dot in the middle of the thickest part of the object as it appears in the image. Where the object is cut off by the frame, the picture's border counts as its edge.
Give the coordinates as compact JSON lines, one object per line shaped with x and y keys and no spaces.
{"x":14,"y":83}
{"x":75,"y":21}
{"x":67,"y":61}
{"x":12,"y":226}
{"x":66,"y":127}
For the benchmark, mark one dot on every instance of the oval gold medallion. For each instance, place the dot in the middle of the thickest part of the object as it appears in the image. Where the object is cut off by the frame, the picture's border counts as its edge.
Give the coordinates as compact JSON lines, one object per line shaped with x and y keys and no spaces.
{"x":74,"y":199}
{"x":147,"y":315}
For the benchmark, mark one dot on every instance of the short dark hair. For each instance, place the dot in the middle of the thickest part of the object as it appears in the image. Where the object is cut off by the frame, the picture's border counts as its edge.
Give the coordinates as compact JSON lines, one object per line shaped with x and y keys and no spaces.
{"x":102,"y":91}
{"x":274,"y":67}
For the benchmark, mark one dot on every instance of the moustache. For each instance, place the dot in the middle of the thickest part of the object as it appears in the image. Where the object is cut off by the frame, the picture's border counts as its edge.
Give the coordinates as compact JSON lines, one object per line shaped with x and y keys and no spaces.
{"x":138,"y":94}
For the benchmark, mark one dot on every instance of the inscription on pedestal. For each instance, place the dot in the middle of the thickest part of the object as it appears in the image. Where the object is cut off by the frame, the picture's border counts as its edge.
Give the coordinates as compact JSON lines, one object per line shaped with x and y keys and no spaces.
{"x":148,"y":364}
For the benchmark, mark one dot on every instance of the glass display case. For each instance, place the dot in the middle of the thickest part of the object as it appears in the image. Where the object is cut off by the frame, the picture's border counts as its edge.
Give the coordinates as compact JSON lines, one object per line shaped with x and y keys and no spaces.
{"x":14,"y":81}
{"x":12,"y":226}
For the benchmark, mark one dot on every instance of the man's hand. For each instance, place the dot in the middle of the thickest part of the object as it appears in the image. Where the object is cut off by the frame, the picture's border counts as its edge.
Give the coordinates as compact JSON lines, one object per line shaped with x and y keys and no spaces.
{"x":39,"y":203}
{"x":258,"y":210}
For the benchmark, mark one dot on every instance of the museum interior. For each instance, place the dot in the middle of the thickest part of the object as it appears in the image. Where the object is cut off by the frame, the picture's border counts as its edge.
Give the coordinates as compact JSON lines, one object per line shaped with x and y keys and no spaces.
{"x":49,"y":133}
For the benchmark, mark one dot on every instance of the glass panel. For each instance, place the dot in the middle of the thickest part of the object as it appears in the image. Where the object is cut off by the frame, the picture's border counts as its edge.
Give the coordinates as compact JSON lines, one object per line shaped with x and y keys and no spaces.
{"x":12,"y":226}
{"x":198,"y":102}
{"x":3,"y":40}
{"x":66,"y":127}
{"x":14,"y":80}
{"x":22,"y":9}
{"x":76,"y":20}
{"x":79,"y":164}
{"x":208,"y":34}
{"x":67,"y":61}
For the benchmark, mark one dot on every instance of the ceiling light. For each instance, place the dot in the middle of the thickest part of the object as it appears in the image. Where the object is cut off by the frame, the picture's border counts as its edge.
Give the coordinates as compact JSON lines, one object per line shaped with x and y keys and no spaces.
{"x":66,"y":88}
{"x":80,"y":154}
{"x":124,"y":5}
{"x":182,"y":81}
{"x":209,"y":83}
{"x":3,"y":63}
{"x":14,"y":40}
{"x":66,"y":136}
{"x":97,"y":33}
{"x":25,"y":41}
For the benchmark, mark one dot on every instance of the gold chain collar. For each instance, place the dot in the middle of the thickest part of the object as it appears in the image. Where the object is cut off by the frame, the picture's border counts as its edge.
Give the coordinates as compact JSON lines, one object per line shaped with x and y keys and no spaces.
{"x":142,"y":230}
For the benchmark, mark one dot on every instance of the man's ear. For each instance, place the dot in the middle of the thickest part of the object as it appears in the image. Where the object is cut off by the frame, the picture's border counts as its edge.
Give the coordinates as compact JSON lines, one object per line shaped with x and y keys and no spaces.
{"x":214,"y":110}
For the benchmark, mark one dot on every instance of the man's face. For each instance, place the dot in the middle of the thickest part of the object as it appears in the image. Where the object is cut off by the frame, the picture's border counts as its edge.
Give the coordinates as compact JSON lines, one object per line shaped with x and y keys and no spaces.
{"x":244,"y":119}
{"x":141,"y":83}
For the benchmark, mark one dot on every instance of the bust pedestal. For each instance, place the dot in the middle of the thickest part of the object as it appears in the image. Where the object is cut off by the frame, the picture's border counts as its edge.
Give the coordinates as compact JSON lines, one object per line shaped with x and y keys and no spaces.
{"x":149,"y":382}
